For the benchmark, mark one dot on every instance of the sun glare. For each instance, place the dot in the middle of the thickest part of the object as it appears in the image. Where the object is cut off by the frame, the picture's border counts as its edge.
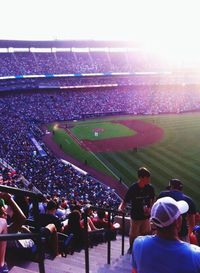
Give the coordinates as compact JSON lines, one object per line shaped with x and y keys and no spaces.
{"x":171,"y":30}
{"x":168,"y":28}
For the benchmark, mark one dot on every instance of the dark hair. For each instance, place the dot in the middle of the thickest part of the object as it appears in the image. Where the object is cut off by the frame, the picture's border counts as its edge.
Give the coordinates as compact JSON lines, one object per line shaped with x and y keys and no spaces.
{"x":143,"y":172}
{"x":51,"y":205}
{"x":74,"y":225}
{"x":176,"y":184}
{"x":165,"y":229}
{"x":101,"y":213}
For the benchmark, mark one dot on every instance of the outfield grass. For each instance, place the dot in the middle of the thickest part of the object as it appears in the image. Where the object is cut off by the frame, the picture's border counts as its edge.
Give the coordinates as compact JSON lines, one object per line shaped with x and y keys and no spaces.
{"x":176,"y":156}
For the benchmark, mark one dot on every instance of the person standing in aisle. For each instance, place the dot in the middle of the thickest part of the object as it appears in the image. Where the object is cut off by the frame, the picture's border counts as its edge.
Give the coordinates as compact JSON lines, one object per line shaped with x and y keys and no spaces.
{"x":141,"y":196}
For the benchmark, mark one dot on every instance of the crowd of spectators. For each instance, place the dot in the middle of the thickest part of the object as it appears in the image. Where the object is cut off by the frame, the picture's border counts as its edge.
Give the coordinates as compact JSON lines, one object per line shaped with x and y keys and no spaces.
{"x":81,"y":81}
{"x":144,"y":68}
{"x":29,"y":63}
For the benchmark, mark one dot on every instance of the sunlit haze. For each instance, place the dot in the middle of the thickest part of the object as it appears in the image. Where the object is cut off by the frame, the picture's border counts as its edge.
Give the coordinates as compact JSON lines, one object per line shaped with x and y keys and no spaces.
{"x":169,"y":28}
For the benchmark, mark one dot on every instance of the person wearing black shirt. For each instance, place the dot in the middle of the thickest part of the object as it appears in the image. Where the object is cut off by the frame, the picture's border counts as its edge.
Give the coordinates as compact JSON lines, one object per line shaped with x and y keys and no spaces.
{"x":141,"y":196}
{"x":50,"y":218}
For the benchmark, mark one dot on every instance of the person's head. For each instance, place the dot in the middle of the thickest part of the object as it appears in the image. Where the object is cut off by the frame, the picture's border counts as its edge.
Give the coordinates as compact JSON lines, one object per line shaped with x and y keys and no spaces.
{"x":51,"y":206}
{"x":175,"y":184}
{"x":166,"y":213}
{"x":74,"y":220}
{"x":101,"y":213}
{"x":144,"y":175}
{"x":63,"y":203}
{"x":88,"y":210}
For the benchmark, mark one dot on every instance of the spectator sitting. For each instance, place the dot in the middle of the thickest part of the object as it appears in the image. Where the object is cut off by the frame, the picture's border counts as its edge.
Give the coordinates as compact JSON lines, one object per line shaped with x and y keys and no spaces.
{"x":50,"y":218}
{"x":102,"y":222}
{"x":60,"y":212}
{"x":89,"y":212}
{"x":52,"y":223}
{"x":63,"y":203}
{"x":74,"y":226}
{"x":41,"y":207}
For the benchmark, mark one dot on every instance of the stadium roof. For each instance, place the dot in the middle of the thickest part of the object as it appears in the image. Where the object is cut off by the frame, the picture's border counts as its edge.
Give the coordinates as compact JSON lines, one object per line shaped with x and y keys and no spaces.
{"x":65,"y":43}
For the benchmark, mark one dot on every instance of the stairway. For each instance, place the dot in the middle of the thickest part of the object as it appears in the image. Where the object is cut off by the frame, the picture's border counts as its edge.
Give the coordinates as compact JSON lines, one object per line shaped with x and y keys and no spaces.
{"x":76,"y":262}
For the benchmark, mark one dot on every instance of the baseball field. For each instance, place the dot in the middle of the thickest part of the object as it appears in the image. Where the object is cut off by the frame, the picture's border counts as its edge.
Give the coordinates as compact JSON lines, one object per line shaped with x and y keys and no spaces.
{"x":168,"y":145}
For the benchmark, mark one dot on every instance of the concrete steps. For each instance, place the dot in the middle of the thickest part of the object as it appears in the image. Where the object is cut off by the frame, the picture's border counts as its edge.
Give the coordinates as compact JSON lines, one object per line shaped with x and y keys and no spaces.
{"x":121,"y":265}
{"x":17,"y":269}
{"x":76,"y":262}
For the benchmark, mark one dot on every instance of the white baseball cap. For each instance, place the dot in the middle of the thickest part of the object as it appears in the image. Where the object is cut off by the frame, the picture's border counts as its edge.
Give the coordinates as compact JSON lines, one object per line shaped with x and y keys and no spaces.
{"x":166,"y":210}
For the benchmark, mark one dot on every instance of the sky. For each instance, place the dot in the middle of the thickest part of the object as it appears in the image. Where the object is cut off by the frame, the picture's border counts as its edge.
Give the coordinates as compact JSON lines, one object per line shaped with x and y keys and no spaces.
{"x":166,"y":26}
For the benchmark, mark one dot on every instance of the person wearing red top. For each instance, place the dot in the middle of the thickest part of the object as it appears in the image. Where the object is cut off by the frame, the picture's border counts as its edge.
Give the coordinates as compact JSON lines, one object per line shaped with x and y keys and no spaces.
{"x":102,"y":222}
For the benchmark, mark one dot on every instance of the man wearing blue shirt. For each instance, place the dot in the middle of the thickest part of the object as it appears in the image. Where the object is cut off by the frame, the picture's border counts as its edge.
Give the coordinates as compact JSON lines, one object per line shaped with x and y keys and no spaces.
{"x":165,"y":252}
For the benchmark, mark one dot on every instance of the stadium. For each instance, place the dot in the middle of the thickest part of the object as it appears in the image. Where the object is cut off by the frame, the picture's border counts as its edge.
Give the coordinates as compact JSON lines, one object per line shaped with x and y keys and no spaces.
{"x":79,"y":117}
{"x":155,"y":113}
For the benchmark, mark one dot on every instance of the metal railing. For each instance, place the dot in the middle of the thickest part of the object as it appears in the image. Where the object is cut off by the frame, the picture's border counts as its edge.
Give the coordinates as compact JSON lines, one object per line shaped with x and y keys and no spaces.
{"x":35,"y":197}
{"x":86,"y":234}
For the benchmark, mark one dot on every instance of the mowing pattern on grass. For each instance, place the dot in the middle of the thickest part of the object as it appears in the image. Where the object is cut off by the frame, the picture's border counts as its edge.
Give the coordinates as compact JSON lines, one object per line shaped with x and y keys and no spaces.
{"x":176,"y":156}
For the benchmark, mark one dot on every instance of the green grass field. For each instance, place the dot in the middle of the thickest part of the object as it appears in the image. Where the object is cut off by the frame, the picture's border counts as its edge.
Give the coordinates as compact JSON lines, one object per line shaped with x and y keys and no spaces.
{"x":176,"y":156}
